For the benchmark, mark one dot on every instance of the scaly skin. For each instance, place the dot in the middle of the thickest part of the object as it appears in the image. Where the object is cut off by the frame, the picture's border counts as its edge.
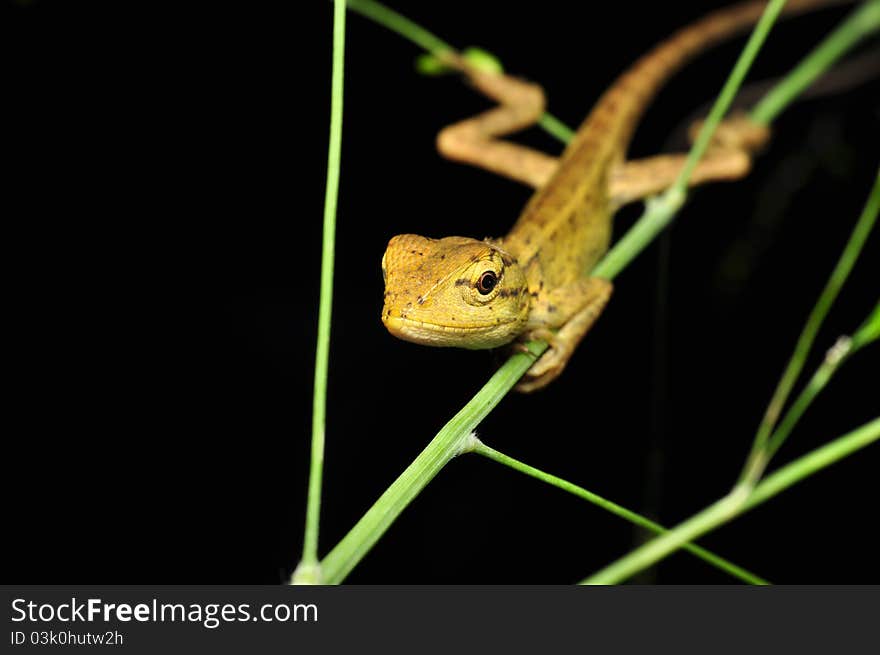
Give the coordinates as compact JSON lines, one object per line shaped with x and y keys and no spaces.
{"x":534,"y":282}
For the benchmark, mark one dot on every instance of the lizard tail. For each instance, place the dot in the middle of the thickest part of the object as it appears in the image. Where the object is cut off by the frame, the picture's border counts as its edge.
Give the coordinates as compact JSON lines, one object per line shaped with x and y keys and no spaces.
{"x":645,"y":77}
{"x":605,"y":133}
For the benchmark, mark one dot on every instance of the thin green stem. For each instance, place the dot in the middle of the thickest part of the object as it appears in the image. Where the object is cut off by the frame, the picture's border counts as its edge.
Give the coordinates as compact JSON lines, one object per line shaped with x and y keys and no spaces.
{"x":868,"y":331}
{"x":738,"y":501}
{"x":812,"y":462}
{"x":449,"y":442}
{"x":409,"y":30}
{"x":862,"y":22}
{"x":833,"y":359}
{"x":715,"y":560}
{"x":555,"y":127}
{"x":658,"y":213}
{"x":399,"y":24}
{"x":845,"y":348}
{"x":758,"y":457}
{"x":307,"y":571}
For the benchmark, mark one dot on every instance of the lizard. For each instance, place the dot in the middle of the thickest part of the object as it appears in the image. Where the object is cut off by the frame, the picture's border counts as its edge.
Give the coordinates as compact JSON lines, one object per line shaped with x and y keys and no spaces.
{"x":534,"y":283}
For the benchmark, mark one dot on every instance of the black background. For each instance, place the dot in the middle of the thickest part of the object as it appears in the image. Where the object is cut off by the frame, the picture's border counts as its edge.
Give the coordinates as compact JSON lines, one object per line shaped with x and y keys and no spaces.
{"x":164,"y":193}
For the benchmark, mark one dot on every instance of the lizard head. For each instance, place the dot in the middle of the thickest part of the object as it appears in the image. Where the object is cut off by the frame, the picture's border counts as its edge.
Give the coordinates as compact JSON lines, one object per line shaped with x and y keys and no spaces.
{"x":453,"y":292}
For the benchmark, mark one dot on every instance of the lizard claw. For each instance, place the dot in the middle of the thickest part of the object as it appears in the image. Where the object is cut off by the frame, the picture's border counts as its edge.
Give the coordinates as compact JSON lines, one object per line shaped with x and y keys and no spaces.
{"x":541,"y":374}
{"x":549,"y":365}
{"x":520,"y":347}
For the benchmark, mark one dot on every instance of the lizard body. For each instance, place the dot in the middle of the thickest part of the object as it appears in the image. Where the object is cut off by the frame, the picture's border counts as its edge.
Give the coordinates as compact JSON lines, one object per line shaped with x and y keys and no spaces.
{"x":534,"y":283}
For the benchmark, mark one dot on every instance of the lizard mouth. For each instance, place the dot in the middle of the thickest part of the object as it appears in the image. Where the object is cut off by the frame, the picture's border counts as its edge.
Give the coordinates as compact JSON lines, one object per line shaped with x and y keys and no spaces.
{"x":435,"y":334}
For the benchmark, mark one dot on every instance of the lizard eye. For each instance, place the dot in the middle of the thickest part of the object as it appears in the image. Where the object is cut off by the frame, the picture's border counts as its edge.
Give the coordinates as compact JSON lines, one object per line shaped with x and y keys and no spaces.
{"x":487,"y":282}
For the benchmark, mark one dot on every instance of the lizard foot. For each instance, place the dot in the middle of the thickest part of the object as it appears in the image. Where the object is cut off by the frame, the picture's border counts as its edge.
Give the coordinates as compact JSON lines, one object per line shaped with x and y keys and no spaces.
{"x":736,"y":132}
{"x":595,"y":292}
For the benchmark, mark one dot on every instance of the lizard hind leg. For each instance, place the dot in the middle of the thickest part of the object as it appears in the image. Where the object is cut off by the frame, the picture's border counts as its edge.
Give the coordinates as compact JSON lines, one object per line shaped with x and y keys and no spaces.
{"x":475,"y":140}
{"x":593,"y":294}
{"x":729,"y":157}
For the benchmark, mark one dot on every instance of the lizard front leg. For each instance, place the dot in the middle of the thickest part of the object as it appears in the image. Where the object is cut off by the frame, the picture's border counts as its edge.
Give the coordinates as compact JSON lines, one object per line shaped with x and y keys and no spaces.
{"x":474,"y":140}
{"x":573,"y":309}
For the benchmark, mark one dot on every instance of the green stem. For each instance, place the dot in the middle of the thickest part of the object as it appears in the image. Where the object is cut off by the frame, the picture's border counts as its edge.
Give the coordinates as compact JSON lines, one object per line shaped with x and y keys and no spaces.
{"x":399,"y":24}
{"x":869,"y":331}
{"x":816,"y":460}
{"x":862,"y":22}
{"x":658,"y":213}
{"x":758,"y":457}
{"x":409,"y":30}
{"x":308,"y":570}
{"x":844,"y":349}
{"x":715,"y":560}
{"x":449,"y":442}
{"x":740,"y":500}
{"x":555,"y":127}
{"x":833,"y":359}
